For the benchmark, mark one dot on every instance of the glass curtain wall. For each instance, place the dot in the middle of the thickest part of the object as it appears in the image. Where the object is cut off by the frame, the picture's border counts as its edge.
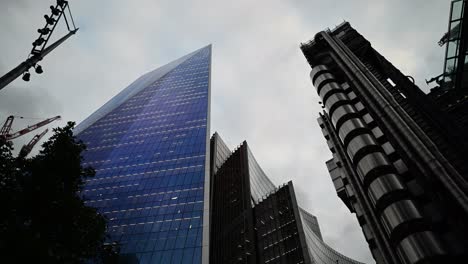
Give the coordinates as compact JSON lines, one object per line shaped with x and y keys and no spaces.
{"x":149,"y":147}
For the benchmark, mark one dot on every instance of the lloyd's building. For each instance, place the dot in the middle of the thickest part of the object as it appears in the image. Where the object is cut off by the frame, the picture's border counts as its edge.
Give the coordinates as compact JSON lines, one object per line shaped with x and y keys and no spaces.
{"x":172,"y":194}
{"x":398,"y":160}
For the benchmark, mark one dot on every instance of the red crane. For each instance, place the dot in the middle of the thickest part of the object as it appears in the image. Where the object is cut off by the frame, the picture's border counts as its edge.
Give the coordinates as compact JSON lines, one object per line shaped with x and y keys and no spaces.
{"x":26,"y":149}
{"x":7,"y":126}
{"x":5,"y":131}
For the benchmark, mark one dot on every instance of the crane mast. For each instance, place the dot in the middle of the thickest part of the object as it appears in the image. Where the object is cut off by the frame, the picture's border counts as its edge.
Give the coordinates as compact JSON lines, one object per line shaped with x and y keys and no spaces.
{"x":26,"y":149}
{"x":7,"y":126}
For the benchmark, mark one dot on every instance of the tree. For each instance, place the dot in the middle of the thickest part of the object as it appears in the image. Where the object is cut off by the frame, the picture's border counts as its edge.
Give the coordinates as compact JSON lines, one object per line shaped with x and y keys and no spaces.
{"x":46,"y":218}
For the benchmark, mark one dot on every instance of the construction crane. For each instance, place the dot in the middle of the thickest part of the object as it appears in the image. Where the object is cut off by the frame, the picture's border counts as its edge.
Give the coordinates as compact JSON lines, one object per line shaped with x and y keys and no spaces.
{"x":6,"y":129}
{"x":7,"y":126}
{"x":26,"y":149}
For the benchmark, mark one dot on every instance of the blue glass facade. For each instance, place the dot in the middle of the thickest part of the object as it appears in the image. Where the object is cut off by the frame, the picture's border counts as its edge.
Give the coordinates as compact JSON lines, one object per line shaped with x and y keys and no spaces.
{"x":149,"y":146}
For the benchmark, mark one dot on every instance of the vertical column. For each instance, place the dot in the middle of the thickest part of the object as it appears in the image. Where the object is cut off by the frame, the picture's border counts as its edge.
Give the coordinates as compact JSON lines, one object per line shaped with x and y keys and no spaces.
{"x":399,"y":214}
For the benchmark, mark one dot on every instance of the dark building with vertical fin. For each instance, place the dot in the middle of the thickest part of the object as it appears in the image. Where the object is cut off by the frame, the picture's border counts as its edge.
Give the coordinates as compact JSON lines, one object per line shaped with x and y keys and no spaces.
{"x":398,"y":162}
{"x":252,"y":221}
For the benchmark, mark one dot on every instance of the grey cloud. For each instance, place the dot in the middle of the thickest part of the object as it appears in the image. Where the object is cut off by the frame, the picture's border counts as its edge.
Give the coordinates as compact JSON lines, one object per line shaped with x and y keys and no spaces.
{"x":19,"y":99}
{"x":261,"y":91}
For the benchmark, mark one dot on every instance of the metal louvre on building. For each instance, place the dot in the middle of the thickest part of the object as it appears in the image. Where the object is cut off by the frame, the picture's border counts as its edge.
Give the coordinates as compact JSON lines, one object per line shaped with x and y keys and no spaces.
{"x":261,"y":185}
{"x":149,"y":146}
{"x":219,"y":152}
{"x":320,"y":252}
{"x":255,"y":222}
{"x":232,"y":225}
{"x":311,"y":221}
{"x":279,"y":234}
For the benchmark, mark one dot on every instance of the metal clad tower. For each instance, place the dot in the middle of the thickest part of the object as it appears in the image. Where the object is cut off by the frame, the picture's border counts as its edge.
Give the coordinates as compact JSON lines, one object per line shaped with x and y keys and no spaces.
{"x":398,"y":163}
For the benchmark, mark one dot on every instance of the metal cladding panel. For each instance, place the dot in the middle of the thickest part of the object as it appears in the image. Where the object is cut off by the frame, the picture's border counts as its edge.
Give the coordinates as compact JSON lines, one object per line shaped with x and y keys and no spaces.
{"x":220,"y":152}
{"x":149,"y":147}
{"x":280,"y":238}
{"x":319,"y":251}
{"x":261,"y":186}
{"x":311,"y":221}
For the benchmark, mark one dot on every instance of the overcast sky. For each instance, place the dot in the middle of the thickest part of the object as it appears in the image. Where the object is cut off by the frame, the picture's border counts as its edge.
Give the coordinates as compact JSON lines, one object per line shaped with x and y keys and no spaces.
{"x":261,"y":91}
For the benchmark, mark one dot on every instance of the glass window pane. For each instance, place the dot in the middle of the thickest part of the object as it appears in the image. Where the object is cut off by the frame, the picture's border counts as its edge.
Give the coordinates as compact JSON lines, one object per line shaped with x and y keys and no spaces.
{"x":452,"y":49}
{"x":457,"y":9}
{"x":450,"y":67}
{"x":455,"y":30}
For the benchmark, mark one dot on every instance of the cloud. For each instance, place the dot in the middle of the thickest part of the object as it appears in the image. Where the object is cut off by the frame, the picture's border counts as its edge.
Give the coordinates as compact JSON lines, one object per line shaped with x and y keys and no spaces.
{"x":261,"y":91}
{"x":27,"y":101}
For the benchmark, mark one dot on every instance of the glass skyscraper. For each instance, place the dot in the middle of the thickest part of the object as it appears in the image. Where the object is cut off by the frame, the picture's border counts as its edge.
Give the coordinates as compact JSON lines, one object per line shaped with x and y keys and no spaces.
{"x":149,"y":146}
{"x":167,"y":189}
